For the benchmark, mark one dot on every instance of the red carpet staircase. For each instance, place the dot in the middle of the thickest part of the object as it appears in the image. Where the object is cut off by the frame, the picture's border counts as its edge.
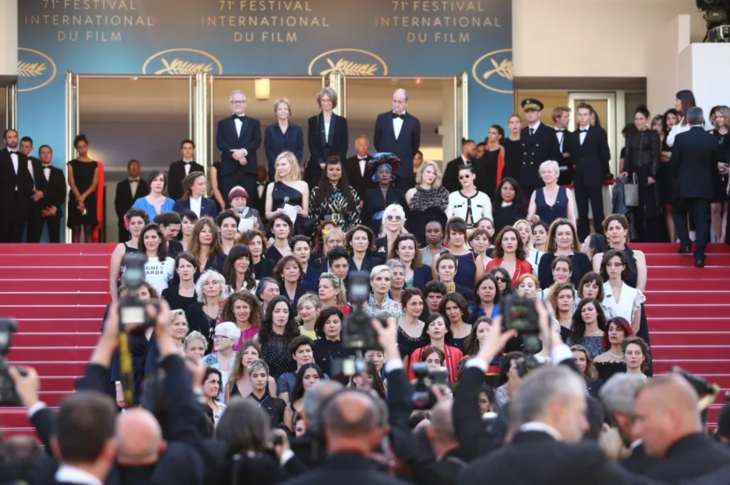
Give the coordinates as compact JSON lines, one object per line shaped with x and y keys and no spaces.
{"x":58,"y":294}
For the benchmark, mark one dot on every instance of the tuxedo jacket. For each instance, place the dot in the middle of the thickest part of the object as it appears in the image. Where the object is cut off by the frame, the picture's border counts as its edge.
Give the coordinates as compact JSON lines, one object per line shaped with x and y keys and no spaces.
{"x":319,"y":149}
{"x":591,"y":158}
{"x":123,"y":199}
{"x":694,"y":164}
{"x":9,"y":180}
{"x":55,"y":191}
{"x":38,"y":178}
{"x":405,"y":146}
{"x":207,"y":207}
{"x":176,"y":175}
{"x":276,"y":142}
{"x":361,"y":183}
{"x":228,"y":139}
{"x":541,"y":146}
{"x":566,"y":164}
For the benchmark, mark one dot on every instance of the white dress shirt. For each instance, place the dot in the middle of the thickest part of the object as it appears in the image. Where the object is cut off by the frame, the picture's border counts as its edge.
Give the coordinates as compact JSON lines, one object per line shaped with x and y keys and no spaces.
{"x":133,"y":184}
{"x":188,"y":162}
{"x":239,"y":124}
{"x":30,"y":170}
{"x":47,"y":172}
{"x":14,"y":158}
{"x":582,"y":134}
{"x":327,"y":130}
{"x":363,"y":163}
{"x":465,"y":160}
{"x":676,"y":130}
{"x":69,"y":474}
{"x":398,"y":125}
{"x":561,"y":138}
{"x":196,"y":205}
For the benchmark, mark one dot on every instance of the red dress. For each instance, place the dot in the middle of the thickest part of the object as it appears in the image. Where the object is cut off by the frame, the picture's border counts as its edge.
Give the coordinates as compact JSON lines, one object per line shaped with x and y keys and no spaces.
{"x":522,"y":267}
{"x":453,"y":356}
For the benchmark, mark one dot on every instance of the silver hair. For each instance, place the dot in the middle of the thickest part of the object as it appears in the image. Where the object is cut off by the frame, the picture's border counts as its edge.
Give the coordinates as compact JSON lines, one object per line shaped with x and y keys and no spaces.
{"x":193,"y":336}
{"x":618,"y":394}
{"x":230,"y":330}
{"x":405,"y":93}
{"x":225,"y":290}
{"x":314,"y":398}
{"x":394,"y":263}
{"x":379,"y":269}
{"x":397,"y":209}
{"x":695,"y":116}
{"x":542,"y":387}
{"x":235,"y":92}
{"x":550,"y":164}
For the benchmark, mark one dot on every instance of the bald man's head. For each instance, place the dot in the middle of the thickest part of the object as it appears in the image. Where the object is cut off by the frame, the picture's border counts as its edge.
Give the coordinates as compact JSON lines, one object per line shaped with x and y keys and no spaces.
{"x":400,"y":100}
{"x":666,"y":410}
{"x":442,"y":422}
{"x":350,"y":414}
{"x":140,"y":438}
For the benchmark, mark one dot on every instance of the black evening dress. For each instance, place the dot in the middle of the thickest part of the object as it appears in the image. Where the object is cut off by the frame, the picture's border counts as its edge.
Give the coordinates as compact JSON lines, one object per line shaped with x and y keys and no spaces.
{"x":284,"y":194}
{"x":512,"y":158}
{"x":642,"y":159}
{"x":83,"y":177}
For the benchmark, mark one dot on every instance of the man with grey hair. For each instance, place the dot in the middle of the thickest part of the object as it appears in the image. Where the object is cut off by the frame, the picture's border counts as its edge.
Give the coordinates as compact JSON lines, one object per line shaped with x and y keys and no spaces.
{"x":618,"y":396}
{"x":551,"y":407}
{"x":238,"y":137}
{"x":399,"y":132}
{"x":695,"y":159}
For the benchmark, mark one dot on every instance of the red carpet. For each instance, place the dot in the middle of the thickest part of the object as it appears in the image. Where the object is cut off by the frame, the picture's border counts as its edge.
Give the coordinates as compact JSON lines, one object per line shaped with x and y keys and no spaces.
{"x":58,"y":294}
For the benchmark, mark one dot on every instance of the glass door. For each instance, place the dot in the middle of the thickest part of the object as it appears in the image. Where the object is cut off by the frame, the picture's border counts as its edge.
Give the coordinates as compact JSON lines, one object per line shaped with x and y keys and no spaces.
{"x":72,"y":127}
{"x":461,"y":114}
{"x":604,"y":105}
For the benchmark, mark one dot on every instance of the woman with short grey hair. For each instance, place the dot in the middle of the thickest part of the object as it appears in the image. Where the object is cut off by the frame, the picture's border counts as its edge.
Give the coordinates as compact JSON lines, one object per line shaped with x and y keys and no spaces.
{"x":327,"y":136}
{"x":552,"y":201}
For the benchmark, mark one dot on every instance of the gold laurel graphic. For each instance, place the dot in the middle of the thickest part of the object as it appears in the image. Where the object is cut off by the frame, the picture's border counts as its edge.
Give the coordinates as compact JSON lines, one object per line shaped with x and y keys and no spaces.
{"x":31,"y":69}
{"x":178,"y":67}
{"x":350,"y":68}
{"x":504,"y":69}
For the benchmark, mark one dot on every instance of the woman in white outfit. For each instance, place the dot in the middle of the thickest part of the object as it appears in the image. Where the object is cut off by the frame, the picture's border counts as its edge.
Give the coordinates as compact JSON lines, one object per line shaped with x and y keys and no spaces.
{"x":468,"y":203}
{"x":625,"y":300}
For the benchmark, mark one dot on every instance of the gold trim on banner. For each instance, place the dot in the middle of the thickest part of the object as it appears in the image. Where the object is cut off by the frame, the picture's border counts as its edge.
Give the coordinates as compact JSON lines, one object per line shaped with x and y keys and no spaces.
{"x":35,"y":69}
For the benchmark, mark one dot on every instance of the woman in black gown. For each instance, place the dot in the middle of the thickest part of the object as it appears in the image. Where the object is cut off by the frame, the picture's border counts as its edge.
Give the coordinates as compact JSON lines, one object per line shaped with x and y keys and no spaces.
{"x":721,"y":120}
{"x":83,"y":177}
{"x":287,"y":189}
{"x":665,"y":181}
{"x":513,"y":148}
{"x":382,"y":167}
{"x":509,"y":204}
{"x":642,"y":159}
{"x":490,"y":168}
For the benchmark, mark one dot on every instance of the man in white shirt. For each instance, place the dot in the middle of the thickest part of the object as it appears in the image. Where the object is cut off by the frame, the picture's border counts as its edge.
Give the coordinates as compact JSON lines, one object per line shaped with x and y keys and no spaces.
{"x":358,"y":175}
{"x":181,"y":169}
{"x":399,"y":132}
{"x":16,"y":189}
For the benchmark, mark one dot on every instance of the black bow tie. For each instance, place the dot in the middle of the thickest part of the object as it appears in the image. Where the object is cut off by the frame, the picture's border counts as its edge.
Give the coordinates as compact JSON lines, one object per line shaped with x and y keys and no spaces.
{"x":560,"y":131}
{"x":239,"y":117}
{"x":584,"y":131}
{"x":187,"y":163}
{"x":364,"y":159}
{"x":46,"y":167}
{"x":396,"y":115}
{"x":13,"y":151}
{"x":134,"y":181}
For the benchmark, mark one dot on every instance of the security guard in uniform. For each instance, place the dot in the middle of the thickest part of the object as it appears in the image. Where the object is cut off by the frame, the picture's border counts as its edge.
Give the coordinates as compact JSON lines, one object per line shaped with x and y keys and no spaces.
{"x":539,"y":144}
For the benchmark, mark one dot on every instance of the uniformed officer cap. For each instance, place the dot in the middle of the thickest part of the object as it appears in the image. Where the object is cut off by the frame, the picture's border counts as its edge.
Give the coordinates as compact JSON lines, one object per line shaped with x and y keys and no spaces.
{"x":532,"y":104}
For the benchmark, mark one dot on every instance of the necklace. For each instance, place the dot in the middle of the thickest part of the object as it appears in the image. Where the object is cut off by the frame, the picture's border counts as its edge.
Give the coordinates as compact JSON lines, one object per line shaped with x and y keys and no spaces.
{"x":617,"y":357}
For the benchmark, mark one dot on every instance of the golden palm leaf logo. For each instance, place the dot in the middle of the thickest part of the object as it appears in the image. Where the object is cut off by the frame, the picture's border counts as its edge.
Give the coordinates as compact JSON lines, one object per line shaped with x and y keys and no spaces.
{"x":338,"y":61}
{"x":31,"y":69}
{"x":349,"y":68}
{"x":180,"y":67}
{"x":504,"y":69}
{"x":493,"y":71}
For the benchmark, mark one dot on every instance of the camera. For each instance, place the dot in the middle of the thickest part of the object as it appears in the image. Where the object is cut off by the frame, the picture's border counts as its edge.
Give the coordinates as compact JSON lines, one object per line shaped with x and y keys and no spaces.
{"x":717,"y":17}
{"x":133,"y":315}
{"x":421,"y":397}
{"x":518,"y":313}
{"x":8,"y":394}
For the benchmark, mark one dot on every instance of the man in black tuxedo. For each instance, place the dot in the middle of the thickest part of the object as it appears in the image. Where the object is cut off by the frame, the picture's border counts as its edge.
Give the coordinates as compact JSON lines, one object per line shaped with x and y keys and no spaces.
{"x":16,"y":189}
{"x":618,"y":396}
{"x":671,"y":430}
{"x":451,"y":173}
{"x":695,"y":158}
{"x":34,"y":223}
{"x":561,"y":120}
{"x":551,"y":409}
{"x":589,"y":151}
{"x":238,"y":137}
{"x":360,"y":178}
{"x":539,"y":144}
{"x":128,"y":190}
{"x":399,"y":132}
{"x":180,"y":169}
{"x":54,"y":198}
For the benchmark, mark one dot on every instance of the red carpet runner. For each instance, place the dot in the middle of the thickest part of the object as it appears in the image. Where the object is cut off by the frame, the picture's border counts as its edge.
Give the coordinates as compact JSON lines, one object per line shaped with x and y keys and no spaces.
{"x":58,"y":294}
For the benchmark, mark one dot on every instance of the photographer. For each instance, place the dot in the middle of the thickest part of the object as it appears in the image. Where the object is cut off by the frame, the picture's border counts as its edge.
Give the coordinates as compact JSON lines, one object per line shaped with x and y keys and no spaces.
{"x":143,"y":456}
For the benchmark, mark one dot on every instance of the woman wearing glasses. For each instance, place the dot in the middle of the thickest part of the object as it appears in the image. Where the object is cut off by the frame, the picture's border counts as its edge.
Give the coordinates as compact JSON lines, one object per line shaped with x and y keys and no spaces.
{"x":394,"y":218}
{"x":468,"y":203}
{"x":625,"y":300}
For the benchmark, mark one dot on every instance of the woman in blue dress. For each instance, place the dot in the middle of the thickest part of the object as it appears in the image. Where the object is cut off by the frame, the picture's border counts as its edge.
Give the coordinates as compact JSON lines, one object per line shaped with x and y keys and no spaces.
{"x":155,"y":202}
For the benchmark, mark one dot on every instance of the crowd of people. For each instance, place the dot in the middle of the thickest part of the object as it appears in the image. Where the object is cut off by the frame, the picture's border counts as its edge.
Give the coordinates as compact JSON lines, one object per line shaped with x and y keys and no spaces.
{"x":246,"y":375}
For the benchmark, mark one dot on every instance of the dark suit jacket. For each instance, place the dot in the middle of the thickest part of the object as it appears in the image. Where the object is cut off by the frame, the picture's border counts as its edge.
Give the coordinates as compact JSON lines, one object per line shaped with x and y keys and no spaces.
{"x":55,"y":190}
{"x":227,"y":139}
{"x":346,"y":468}
{"x":690,"y":457}
{"x":176,"y":175}
{"x":638,"y":461}
{"x":361,"y":183}
{"x":541,"y":146}
{"x":38,"y":177}
{"x":123,"y":199}
{"x":9,"y":180}
{"x":566,"y":164}
{"x":276,"y":142}
{"x":451,"y":174}
{"x":550,"y":462}
{"x":373,"y":202}
{"x":590,"y":159}
{"x":319,"y":150}
{"x":207,"y":207}
{"x":694,"y":164}
{"x":405,"y":146}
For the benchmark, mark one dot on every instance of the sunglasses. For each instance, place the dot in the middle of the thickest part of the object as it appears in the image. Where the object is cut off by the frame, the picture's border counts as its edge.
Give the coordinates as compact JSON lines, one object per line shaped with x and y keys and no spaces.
{"x":393,"y":218}
{"x":500,"y":279}
{"x":464,"y":177}
{"x":219,"y":337}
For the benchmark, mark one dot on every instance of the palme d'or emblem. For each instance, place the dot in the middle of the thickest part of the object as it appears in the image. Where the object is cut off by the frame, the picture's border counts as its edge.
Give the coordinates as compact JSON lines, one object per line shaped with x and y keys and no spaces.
{"x":182,"y":62}
{"x":498,"y":69}
{"x":35,"y":69}
{"x":177,"y":66}
{"x":349,"y":62}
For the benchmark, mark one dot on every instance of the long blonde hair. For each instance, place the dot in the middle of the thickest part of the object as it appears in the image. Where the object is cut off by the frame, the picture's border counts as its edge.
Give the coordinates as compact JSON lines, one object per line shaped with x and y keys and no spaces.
{"x":341,"y":296}
{"x":296,"y":173}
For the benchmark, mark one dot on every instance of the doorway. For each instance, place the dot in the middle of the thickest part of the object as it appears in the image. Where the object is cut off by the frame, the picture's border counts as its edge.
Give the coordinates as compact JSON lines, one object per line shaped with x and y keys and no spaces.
{"x":144,"y":118}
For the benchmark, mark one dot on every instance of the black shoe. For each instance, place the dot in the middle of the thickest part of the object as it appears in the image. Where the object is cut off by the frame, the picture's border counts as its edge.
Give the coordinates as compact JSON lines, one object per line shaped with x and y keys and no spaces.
{"x":684,"y":249}
{"x":699,"y":261}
